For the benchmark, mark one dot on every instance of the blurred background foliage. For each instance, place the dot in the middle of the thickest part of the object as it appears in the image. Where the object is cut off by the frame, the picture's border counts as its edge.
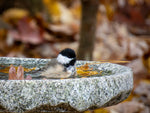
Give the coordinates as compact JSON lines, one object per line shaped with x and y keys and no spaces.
{"x":104,"y":30}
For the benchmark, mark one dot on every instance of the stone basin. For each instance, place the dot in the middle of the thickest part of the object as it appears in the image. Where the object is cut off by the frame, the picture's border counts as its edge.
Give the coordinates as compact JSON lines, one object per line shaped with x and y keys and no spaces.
{"x":63,"y":95}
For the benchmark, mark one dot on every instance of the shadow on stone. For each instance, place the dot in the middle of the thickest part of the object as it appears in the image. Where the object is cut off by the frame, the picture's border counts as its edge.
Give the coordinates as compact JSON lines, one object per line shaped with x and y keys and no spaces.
{"x":3,"y":110}
{"x":65,"y":108}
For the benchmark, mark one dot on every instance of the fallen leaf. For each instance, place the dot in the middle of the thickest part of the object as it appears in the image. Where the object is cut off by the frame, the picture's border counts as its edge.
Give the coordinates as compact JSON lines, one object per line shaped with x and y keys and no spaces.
{"x":101,"y":110}
{"x":28,"y":32}
{"x":12,"y":15}
{"x":137,"y":66}
{"x":12,"y":73}
{"x":127,"y":107}
{"x":143,"y":90}
{"x":86,"y":73}
{"x":53,"y":8}
{"x":85,"y":70}
{"x":85,"y":67}
{"x":29,"y":69}
{"x":20,"y":73}
{"x":28,"y":77}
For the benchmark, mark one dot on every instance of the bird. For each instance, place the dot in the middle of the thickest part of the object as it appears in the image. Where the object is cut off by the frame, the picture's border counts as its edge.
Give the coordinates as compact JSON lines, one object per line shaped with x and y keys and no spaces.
{"x":61,"y":67}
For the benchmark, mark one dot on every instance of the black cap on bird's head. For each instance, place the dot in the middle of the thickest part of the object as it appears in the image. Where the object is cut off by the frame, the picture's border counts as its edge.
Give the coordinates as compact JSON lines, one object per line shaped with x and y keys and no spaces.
{"x":68,"y":53}
{"x":67,"y":57}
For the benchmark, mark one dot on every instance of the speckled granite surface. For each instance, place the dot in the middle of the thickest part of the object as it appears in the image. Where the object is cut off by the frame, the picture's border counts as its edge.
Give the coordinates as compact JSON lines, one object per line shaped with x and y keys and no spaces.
{"x":77,"y":94}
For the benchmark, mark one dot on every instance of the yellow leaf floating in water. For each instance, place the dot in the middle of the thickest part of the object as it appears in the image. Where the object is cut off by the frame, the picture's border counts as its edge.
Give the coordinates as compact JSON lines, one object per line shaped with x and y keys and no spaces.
{"x":85,"y":70}
{"x":85,"y":67}
{"x":29,"y":69}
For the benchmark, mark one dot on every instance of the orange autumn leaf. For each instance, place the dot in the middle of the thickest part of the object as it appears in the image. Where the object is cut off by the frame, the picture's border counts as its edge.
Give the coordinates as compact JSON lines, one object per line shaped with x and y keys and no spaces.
{"x":19,"y":75}
{"x":12,"y":73}
{"x":6,"y":69}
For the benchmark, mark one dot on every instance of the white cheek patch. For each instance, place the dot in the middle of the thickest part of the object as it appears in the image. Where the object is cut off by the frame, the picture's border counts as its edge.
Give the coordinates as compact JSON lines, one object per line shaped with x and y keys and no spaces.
{"x":63,"y":60}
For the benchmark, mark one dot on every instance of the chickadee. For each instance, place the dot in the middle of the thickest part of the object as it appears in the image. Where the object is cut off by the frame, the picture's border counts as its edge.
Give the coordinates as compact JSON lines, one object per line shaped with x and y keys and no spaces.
{"x":61,"y":67}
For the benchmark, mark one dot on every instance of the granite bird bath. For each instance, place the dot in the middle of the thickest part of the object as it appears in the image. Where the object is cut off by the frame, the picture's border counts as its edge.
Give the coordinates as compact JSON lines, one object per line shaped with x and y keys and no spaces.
{"x":63,"y":95}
